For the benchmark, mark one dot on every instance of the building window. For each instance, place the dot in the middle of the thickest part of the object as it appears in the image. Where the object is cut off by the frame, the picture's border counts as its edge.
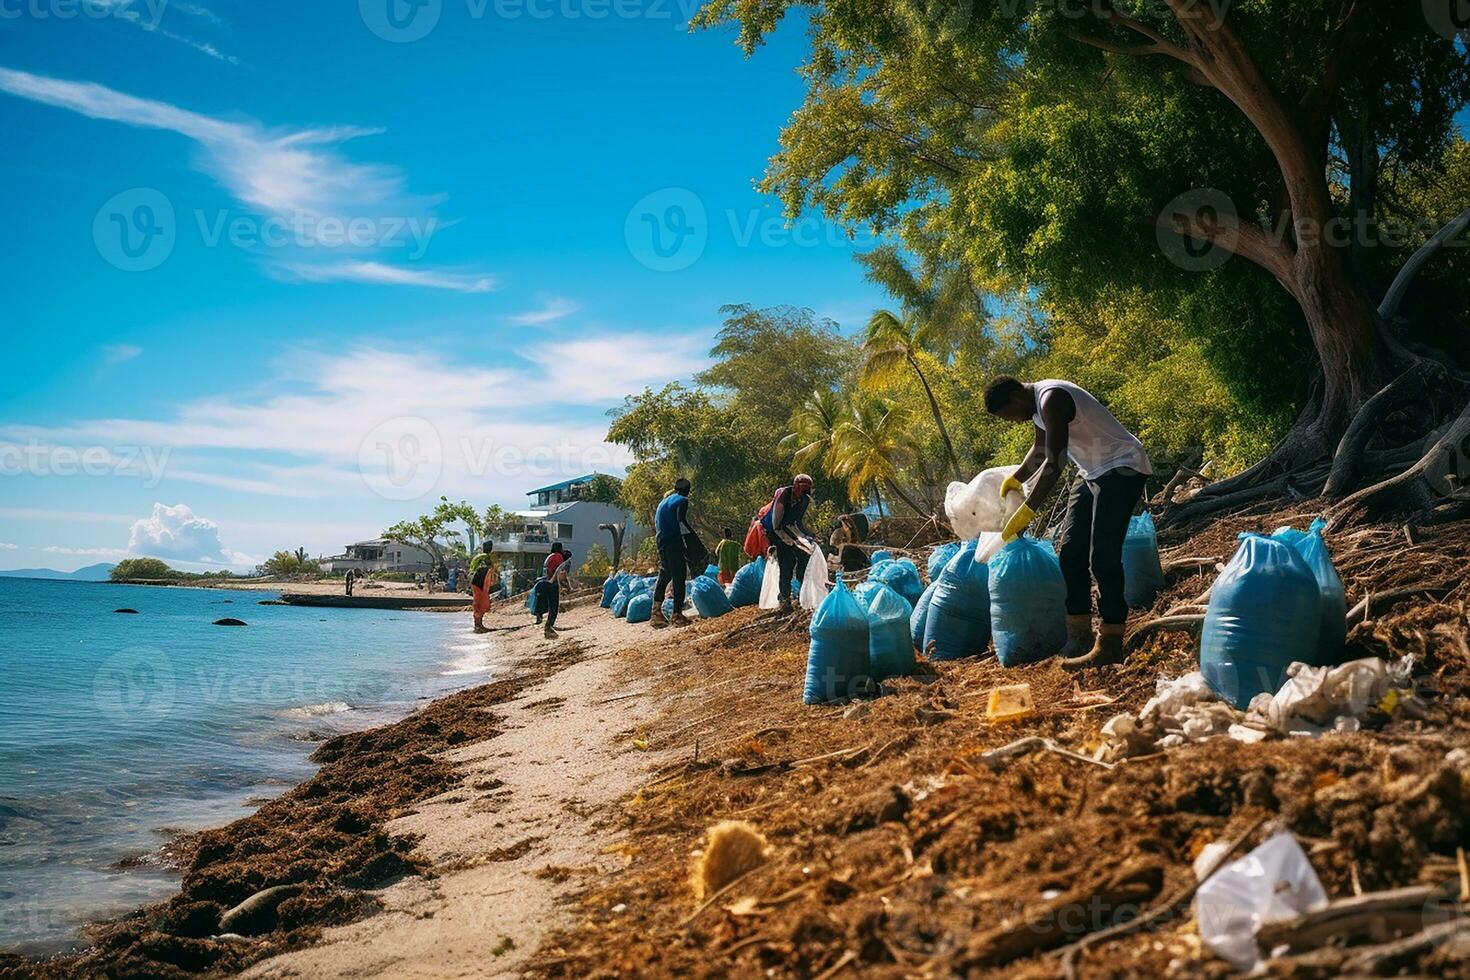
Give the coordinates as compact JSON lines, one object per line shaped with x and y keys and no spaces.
{"x":564,"y":531}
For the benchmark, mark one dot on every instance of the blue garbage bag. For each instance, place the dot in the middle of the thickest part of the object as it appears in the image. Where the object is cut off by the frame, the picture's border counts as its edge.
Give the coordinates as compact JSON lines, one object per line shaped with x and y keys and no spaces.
{"x":535,"y":593}
{"x":619,"y":607}
{"x":1287,"y":534}
{"x":1143,"y":575}
{"x":958,"y":620}
{"x":837,"y":662}
{"x":709,"y":597}
{"x":863,"y":592}
{"x":902,"y":576}
{"x":1028,"y":602}
{"x":1265,"y":613}
{"x":609,"y":592}
{"x":880,"y":556}
{"x":712,"y":571}
{"x":890,"y":648}
{"x":1333,"y":632}
{"x":745,"y":589}
{"x":640,"y":608}
{"x":920,"y":616}
{"x":940,"y":557}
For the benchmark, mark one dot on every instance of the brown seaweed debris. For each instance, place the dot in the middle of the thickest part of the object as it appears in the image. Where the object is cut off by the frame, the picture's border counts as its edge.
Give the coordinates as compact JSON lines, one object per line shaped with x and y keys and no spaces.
{"x":326,"y":839}
{"x":901,"y":853}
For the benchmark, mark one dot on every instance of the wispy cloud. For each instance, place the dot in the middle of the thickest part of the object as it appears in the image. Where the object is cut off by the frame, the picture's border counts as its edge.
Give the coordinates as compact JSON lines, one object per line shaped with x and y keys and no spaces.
{"x":607,"y":367}
{"x":120,"y":353}
{"x":7,"y":546}
{"x":377,"y":273}
{"x":300,"y":178}
{"x":321,"y":426}
{"x":91,"y":552}
{"x":552,"y":310}
{"x":149,"y":14}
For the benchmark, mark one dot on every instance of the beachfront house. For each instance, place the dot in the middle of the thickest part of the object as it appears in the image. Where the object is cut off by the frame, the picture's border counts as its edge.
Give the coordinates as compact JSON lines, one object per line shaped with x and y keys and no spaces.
{"x":558,"y":513}
{"x":379,"y":555}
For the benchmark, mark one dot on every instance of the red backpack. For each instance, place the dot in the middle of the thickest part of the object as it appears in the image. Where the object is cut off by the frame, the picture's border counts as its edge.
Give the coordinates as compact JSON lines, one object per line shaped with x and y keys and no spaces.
{"x":756,"y":542}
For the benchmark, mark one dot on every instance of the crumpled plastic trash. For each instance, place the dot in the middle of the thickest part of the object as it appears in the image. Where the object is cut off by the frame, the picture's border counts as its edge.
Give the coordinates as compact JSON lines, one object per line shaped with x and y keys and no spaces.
{"x":1312,"y":702}
{"x":1315,"y":700}
{"x":976,"y":507}
{"x":1275,"y":881}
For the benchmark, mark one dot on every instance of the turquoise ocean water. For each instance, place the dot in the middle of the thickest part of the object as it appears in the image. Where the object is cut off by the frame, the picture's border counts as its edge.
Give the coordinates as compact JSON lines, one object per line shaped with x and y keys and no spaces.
{"x":117,"y":731}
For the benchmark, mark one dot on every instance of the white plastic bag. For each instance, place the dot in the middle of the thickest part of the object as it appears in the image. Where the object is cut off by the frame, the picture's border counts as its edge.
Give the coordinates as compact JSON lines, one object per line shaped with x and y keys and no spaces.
{"x":977,"y":507}
{"x":1275,"y":881}
{"x":771,"y":584}
{"x":989,"y":544}
{"x":814,"y":582}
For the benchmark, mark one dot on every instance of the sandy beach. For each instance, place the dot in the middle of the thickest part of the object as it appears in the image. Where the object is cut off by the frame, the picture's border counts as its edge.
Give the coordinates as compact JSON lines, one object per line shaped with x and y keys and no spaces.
{"x":544,"y":824}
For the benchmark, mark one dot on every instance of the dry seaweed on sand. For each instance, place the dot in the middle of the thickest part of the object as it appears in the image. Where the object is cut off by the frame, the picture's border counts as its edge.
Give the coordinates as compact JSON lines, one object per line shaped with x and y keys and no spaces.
{"x":902,"y":853}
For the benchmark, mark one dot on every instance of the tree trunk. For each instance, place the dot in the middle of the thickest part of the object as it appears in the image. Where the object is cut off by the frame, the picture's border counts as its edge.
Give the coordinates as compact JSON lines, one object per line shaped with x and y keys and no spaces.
{"x":954,"y":461}
{"x":898,"y":491}
{"x":878,"y":497}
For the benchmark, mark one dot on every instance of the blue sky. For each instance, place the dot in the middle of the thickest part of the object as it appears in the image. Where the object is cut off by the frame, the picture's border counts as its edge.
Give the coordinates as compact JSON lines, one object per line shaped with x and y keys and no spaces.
{"x":290,"y":272}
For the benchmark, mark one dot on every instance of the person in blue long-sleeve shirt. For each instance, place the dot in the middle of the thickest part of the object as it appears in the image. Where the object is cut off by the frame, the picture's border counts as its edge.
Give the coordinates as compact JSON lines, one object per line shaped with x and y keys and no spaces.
{"x":670,"y":524}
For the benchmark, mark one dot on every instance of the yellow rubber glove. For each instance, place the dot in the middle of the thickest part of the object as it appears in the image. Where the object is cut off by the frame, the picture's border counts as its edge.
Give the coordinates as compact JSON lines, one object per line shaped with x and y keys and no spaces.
{"x":1019,"y":521}
{"x":1011,"y":483}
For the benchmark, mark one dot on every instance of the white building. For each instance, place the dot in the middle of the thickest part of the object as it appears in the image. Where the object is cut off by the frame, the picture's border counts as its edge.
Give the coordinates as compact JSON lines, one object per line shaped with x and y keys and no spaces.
{"x":379,"y":555}
{"x":559,"y":514}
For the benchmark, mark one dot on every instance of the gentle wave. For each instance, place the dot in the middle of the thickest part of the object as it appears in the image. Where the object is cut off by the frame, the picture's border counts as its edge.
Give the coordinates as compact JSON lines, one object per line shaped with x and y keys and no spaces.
{"x":317,"y":710}
{"x":472,"y":658}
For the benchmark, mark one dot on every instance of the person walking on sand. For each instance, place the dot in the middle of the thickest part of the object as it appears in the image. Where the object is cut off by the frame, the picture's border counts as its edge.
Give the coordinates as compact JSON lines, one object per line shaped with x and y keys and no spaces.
{"x":549,"y":602}
{"x":484,"y":579}
{"x":349,"y":580}
{"x":1112,"y":466}
{"x":785,"y":526}
{"x":670,"y":524}
{"x":729,"y":554}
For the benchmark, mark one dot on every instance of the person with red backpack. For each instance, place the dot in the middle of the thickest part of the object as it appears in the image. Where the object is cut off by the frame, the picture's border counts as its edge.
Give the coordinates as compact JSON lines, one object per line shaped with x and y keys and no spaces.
{"x":785,"y":527}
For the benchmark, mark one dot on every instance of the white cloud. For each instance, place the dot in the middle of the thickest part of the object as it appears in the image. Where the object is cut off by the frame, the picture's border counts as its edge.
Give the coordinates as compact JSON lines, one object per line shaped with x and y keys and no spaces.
{"x":85,"y":552}
{"x":177,"y":532}
{"x":297,"y":178}
{"x":378,"y":273}
{"x":118,"y":353}
{"x":552,"y":310}
{"x":315,"y":430}
{"x":149,"y":16}
{"x":7,"y":546}
{"x":605,"y":368}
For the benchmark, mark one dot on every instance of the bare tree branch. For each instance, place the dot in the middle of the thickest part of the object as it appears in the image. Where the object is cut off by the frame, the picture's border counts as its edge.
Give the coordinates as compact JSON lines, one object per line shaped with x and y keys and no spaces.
{"x":1394,"y":298}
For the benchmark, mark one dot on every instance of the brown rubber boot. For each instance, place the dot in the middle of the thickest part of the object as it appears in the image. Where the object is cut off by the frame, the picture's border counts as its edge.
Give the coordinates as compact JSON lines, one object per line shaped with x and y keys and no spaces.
{"x":1107,"y":651}
{"x":785,"y":608}
{"x":1079,"y":636}
{"x":658,"y":620}
{"x":679,"y":619}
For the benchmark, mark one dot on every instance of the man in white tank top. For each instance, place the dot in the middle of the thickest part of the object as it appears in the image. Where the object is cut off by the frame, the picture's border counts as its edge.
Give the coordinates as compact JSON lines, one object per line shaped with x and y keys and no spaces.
{"x":1112,"y":467}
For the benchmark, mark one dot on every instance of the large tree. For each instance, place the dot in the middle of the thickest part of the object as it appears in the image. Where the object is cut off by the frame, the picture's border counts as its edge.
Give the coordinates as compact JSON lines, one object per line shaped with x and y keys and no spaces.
{"x":1065,"y":149}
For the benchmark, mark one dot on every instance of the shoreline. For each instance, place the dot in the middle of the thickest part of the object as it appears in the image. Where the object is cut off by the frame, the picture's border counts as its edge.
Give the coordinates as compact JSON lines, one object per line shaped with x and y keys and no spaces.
{"x":351,"y":843}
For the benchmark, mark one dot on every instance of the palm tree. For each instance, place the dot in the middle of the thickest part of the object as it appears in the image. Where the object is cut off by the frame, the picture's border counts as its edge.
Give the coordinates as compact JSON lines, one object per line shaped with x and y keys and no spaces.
{"x":865,"y":448}
{"x":891,"y":344}
{"x":814,"y":427}
{"x":941,"y":311}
